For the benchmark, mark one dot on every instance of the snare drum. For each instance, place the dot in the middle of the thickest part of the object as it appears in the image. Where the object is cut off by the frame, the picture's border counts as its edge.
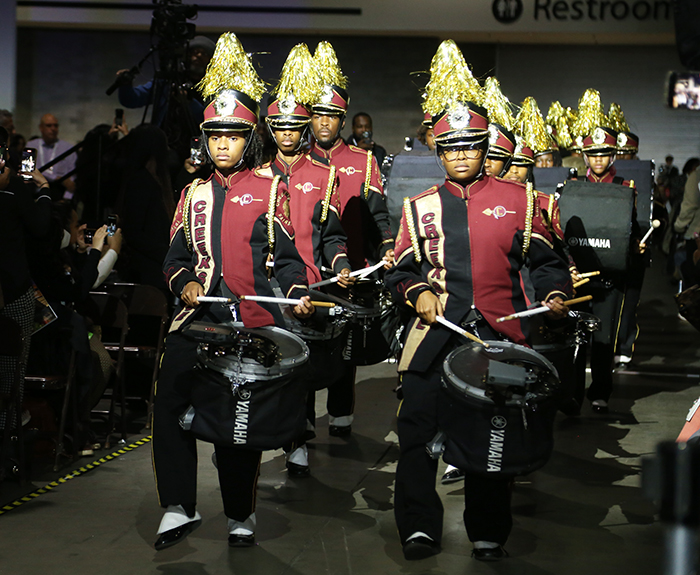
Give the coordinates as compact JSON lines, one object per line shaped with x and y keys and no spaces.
{"x":497,"y":408}
{"x":249,"y":389}
{"x":373,"y":324}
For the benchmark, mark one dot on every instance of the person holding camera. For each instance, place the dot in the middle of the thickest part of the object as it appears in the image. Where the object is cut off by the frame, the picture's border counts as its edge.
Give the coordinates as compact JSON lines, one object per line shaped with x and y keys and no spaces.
{"x":48,"y":147}
{"x":362,"y":136}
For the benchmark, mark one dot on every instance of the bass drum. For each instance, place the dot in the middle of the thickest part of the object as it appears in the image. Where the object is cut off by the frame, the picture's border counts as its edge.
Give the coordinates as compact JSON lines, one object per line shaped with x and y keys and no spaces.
{"x":497,"y":407}
{"x":249,"y":389}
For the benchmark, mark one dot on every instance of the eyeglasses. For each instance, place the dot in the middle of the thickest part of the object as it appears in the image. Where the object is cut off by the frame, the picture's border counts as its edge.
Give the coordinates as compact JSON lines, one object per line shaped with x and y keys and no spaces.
{"x":454,"y":152}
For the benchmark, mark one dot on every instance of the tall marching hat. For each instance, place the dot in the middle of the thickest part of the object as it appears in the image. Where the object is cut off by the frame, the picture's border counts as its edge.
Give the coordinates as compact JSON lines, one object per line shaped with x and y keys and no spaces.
{"x":627,"y":142}
{"x":454,"y":99}
{"x":559,"y":121}
{"x":592,"y":127}
{"x":501,"y":138}
{"x":333,"y":97}
{"x":530,"y":124}
{"x":298,"y":88}
{"x":233,"y":88}
{"x":524,"y":155}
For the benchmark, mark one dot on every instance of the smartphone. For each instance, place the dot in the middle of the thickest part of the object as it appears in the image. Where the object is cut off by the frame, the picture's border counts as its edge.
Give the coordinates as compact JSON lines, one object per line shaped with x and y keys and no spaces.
{"x":28,"y":164}
{"x":111,"y":224}
{"x":118,"y":116}
{"x":196,"y":152}
{"x":88,"y":236}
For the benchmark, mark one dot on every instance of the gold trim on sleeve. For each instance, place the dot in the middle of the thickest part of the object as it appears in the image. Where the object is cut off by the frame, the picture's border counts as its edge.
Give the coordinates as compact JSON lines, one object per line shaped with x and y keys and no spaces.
{"x":408,"y":214}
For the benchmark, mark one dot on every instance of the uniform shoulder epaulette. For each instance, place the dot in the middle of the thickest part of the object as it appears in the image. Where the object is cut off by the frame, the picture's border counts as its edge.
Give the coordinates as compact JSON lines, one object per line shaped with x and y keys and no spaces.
{"x":511,"y":182}
{"x":357,"y":149}
{"x":264,"y":171}
{"x":315,"y":162}
{"x":427,"y":192}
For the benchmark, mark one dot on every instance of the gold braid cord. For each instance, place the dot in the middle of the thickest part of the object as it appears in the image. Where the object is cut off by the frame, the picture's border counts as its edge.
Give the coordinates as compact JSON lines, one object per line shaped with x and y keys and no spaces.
{"x":368,"y":174}
{"x":527,"y":234}
{"x":271,"y":208}
{"x":329,"y":193}
{"x":408,"y":214}
{"x":186,"y":212}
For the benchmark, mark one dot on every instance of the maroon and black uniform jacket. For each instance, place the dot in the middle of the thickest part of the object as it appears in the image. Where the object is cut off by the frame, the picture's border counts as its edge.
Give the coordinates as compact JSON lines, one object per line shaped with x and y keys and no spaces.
{"x":364,"y":214}
{"x":223,"y":230}
{"x":315,"y":214}
{"x":467,"y":245}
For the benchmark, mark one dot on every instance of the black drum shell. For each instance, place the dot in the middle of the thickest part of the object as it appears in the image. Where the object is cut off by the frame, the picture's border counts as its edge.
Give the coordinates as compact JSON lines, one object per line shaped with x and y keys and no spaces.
{"x":469,"y":424}
{"x":276,"y":410}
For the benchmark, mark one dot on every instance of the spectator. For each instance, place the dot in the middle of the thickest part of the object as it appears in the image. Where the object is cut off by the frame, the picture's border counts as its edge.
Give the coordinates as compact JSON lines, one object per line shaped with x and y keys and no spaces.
{"x":20,"y":214}
{"x":7,"y":121}
{"x":688,"y":224}
{"x":48,"y":147}
{"x":362,"y":136}
{"x":146,"y":205}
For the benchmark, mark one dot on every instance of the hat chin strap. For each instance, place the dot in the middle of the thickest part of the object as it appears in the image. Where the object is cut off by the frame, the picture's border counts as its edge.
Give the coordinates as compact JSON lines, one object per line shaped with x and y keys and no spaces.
{"x":248,"y":139}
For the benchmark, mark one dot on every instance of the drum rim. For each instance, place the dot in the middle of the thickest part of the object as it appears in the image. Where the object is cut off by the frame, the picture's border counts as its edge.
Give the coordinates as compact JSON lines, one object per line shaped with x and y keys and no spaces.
{"x":476,"y":392}
{"x":253,"y":371}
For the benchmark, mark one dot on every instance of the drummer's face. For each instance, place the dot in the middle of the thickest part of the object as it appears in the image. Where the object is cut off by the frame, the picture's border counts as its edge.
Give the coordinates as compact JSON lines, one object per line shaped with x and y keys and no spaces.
{"x":287,"y":139}
{"x":493,"y":167}
{"x":544,"y":161}
{"x":517,"y":174}
{"x":461,"y":163}
{"x":599,"y":164}
{"x":226,"y":149}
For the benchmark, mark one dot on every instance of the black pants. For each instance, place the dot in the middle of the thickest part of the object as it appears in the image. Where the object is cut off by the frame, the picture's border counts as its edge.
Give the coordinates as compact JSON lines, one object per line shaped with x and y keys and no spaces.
{"x":175,"y":450}
{"x":417,"y":506}
{"x":633,"y":291}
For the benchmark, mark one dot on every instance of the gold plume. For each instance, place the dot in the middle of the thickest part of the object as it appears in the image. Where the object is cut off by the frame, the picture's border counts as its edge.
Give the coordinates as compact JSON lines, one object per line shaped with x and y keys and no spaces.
{"x":617,"y":118}
{"x":299,"y":80}
{"x":328,"y":67}
{"x":560,"y":120}
{"x":590,"y":114}
{"x":496,"y":104}
{"x":530,"y":125}
{"x":451,"y":80}
{"x":231,"y":68}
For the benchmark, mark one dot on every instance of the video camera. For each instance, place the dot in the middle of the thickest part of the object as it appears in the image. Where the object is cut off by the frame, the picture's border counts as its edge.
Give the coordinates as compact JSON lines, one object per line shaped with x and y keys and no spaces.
{"x":169,"y":21}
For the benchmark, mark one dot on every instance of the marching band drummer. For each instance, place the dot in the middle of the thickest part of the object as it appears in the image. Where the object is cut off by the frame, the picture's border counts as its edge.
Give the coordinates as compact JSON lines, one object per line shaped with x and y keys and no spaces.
{"x":363,"y":211}
{"x":460,"y":248}
{"x":222,"y":233}
{"x":315,"y":208}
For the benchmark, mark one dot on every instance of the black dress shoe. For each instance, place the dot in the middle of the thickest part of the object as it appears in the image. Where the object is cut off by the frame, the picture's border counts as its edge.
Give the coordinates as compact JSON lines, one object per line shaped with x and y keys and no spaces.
{"x":296,"y":470}
{"x":489,"y":554}
{"x":452,"y":476}
{"x":174,"y":536}
{"x":420,"y":548}
{"x":599,"y":406}
{"x":339,"y":430}
{"x":236,"y":540}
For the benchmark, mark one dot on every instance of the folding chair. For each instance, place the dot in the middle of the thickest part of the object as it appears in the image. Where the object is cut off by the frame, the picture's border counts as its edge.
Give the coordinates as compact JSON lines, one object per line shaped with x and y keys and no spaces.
{"x":148,"y":301}
{"x":108,"y":311}
{"x":11,"y":345}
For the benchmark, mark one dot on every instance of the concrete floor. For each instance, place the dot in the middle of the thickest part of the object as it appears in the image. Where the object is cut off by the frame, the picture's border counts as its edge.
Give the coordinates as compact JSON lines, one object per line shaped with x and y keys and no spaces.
{"x":582,"y":513}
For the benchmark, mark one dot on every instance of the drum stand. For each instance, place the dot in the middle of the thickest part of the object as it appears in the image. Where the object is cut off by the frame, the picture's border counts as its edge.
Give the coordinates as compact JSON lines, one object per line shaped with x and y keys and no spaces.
{"x":672,"y":478}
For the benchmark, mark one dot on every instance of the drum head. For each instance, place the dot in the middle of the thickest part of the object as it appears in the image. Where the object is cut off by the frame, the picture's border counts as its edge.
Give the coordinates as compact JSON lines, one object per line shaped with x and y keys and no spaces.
{"x":255,"y":354}
{"x":504,"y":373}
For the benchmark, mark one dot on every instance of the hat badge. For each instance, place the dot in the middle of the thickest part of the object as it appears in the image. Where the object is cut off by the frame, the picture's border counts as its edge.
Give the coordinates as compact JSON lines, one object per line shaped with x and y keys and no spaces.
{"x":226,"y":103}
{"x":287,"y":105}
{"x":493,"y":134}
{"x":327,"y":94}
{"x":459,"y":117}
{"x":622,"y":139}
{"x":598,"y":136}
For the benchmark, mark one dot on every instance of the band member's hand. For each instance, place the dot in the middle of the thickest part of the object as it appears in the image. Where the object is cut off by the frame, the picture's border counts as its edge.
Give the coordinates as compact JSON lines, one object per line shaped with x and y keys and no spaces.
{"x":428,"y":306}
{"x":305,"y":308}
{"x":344,"y":279}
{"x":575,"y":275}
{"x":190,"y":294}
{"x":638,"y":247}
{"x":389,"y":259}
{"x":557,"y":309}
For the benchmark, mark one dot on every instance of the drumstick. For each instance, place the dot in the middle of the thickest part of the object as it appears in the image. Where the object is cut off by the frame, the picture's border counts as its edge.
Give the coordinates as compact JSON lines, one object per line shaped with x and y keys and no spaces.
{"x":262,"y":298}
{"x":357,"y":273}
{"x":581,"y":282}
{"x":448,"y":324}
{"x":655,"y":224}
{"x":542,"y":309}
{"x":589,"y":274}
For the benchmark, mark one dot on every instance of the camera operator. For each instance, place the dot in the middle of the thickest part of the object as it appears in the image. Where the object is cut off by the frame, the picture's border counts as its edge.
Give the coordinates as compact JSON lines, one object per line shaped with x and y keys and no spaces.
{"x":199,"y":52}
{"x":362,"y":136}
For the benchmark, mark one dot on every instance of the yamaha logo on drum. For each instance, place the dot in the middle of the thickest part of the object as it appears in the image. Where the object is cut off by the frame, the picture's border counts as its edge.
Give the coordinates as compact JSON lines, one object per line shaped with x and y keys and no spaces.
{"x":499,"y":422}
{"x":507,"y":11}
{"x":601,"y":243}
